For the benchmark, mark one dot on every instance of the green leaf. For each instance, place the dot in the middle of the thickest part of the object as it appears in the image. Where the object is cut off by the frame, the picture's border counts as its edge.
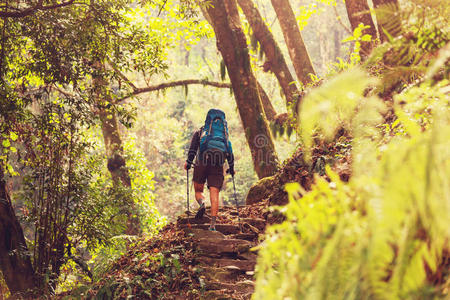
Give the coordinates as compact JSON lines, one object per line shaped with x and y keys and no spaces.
{"x":13,"y":136}
{"x":366,"y":38}
{"x":6,"y":143}
{"x":349,"y":39}
{"x":357,"y":32}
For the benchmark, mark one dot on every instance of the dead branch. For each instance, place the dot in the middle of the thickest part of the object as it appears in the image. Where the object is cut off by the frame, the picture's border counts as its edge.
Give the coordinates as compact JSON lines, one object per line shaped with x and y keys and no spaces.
{"x":338,"y":17}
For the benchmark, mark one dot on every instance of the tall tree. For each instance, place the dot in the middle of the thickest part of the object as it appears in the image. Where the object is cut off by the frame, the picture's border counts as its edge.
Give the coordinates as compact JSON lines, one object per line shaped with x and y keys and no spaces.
{"x":113,"y":146}
{"x":358,"y":12}
{"x":275,"y":59}
{"x":294,"y":41}
{"x":388,"y":18}
{"x":232,"y":44}
{"x":117,"y":165}
{"x":15,"y":262}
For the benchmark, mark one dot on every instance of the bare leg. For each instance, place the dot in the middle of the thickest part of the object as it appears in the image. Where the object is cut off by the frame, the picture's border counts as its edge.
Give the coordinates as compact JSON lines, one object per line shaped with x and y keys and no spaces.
{"x":198,"y":187}
{"x":214,"y":195}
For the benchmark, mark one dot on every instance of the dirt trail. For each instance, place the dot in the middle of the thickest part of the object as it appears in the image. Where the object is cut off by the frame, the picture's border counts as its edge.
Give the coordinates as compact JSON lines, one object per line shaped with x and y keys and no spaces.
{"x":187,"y":261}
{"x":224,"y":258}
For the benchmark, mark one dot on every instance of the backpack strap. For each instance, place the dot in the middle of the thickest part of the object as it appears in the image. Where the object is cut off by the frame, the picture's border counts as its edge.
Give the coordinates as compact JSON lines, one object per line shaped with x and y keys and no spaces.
{"x":226,"y":136}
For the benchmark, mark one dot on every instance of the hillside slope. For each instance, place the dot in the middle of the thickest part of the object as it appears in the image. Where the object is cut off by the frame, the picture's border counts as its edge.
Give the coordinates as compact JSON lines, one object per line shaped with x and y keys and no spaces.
{"x":186,"y":261}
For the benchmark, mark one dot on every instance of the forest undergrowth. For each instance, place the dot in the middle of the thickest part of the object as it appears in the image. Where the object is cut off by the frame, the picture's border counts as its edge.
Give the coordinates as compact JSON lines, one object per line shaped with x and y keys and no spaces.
{"x":367,"y":216}
{"x":358,"y":210}
{"x":383,"y":232}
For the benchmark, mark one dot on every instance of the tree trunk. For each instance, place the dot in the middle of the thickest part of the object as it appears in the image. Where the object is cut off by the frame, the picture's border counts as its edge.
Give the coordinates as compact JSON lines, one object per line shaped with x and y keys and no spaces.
{"x":269,"y":110}
{"x":358,"y":12}
{"x":113,"y":146}
{"x":275,"y":59}
{"x":117,"y":165}
{"x":15,"y":261}
{"x":232,"y":44}
{"x":388,"y":18}
{"x":294,"y":41}
{"x":114,"y":150}
{"x":337,"y":44}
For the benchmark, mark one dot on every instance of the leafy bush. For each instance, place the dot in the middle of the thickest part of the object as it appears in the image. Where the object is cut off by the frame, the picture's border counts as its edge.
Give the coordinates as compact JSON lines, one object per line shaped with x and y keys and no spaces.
{"x":384,"y":234}
{"x":143,"y":186}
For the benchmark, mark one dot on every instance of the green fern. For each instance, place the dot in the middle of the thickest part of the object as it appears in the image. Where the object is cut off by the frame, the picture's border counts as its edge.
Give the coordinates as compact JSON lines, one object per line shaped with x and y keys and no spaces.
{"x":369,"y":238}
{"x":384,"y":234}
{"x":415,"y":32}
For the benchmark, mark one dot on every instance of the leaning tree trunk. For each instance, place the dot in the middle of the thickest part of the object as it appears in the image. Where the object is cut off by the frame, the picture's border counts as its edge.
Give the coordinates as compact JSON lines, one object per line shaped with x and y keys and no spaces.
{"x":232,"y":44}
{"x":388,"y":18}
{"x":358,"y":12}
{"x":294,"y":41}
{"x":114,"y":149}
{"x":269,"y":110}
{"x":15,"y":262}
{"x":275,"y":59}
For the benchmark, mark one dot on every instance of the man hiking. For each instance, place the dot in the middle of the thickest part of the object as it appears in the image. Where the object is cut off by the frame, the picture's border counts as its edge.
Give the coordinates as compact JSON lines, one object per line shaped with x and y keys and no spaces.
{"x":211,"y":146}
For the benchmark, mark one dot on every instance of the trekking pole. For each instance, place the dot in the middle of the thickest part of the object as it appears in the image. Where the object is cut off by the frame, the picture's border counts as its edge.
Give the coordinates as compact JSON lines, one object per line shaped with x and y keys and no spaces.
{"x":237,"y":207}
{"x":187,"y":190}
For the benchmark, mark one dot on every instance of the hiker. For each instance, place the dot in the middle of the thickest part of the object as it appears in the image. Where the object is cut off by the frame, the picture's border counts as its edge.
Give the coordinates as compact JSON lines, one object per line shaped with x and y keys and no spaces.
{"x":211,"y":146}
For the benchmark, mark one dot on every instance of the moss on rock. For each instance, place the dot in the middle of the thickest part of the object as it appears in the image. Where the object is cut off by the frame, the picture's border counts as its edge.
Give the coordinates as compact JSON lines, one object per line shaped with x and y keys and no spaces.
{"x":261,"y":190}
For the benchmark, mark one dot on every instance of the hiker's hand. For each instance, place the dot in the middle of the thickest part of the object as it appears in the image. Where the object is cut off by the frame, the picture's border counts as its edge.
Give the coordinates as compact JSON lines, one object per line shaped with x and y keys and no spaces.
{"x":187,"y":166}
{"x":231,"y":171}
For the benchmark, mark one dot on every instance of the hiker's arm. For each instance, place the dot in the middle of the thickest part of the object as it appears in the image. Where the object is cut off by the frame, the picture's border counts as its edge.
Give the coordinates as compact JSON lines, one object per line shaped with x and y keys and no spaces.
{"x":195,"y":143}
{"x":230,"y":158}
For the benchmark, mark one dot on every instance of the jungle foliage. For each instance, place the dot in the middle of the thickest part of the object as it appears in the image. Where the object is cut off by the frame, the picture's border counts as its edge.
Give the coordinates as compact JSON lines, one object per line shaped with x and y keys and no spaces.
{"x":381,"y":235}
{"x":49,"y":135}
{"x":384,"y":234}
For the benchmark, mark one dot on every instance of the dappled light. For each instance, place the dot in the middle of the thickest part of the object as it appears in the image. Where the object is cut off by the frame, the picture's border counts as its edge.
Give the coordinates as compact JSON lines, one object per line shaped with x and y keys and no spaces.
{"x":224,"y":149}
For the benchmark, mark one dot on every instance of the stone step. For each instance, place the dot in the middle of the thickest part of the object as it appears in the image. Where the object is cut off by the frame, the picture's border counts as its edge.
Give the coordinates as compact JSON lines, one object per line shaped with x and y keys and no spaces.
{"x":225,"y":274}
{"x":246,"y":227}
{"x":241,"y":287}
{"x":247,"y":256}
{"x":223,"y":228}
{"x":193,"y":220}
{"x":203,"y":234}
{"x":244,"y":236}
{"x":223,"y":246}
{"x":231,"y":207}
{"x":256,"y":222}
{"x":217,"y":295}
{"x":243,"y":265}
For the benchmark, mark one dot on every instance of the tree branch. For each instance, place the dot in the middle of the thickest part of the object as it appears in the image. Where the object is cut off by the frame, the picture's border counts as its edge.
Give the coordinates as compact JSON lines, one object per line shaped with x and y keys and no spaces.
{"x":33,"y":9}
{"x":176,"y":83}
{"x":338,"y":17}
{"x":121,"y":75}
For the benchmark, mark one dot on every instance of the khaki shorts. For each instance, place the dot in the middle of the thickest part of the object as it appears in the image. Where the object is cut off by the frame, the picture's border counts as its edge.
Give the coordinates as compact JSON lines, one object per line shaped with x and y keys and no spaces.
{"x":208,"y":172}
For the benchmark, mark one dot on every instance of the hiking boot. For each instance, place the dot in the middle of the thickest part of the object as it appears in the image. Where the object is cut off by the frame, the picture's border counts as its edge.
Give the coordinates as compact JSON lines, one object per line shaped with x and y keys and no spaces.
{"x":212,"y":229}
{"x":200,"y":212}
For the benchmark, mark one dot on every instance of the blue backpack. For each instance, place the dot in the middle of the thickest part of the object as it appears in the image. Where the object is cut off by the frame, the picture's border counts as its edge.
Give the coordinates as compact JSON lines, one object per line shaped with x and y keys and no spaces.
{"x":215,"y":132}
